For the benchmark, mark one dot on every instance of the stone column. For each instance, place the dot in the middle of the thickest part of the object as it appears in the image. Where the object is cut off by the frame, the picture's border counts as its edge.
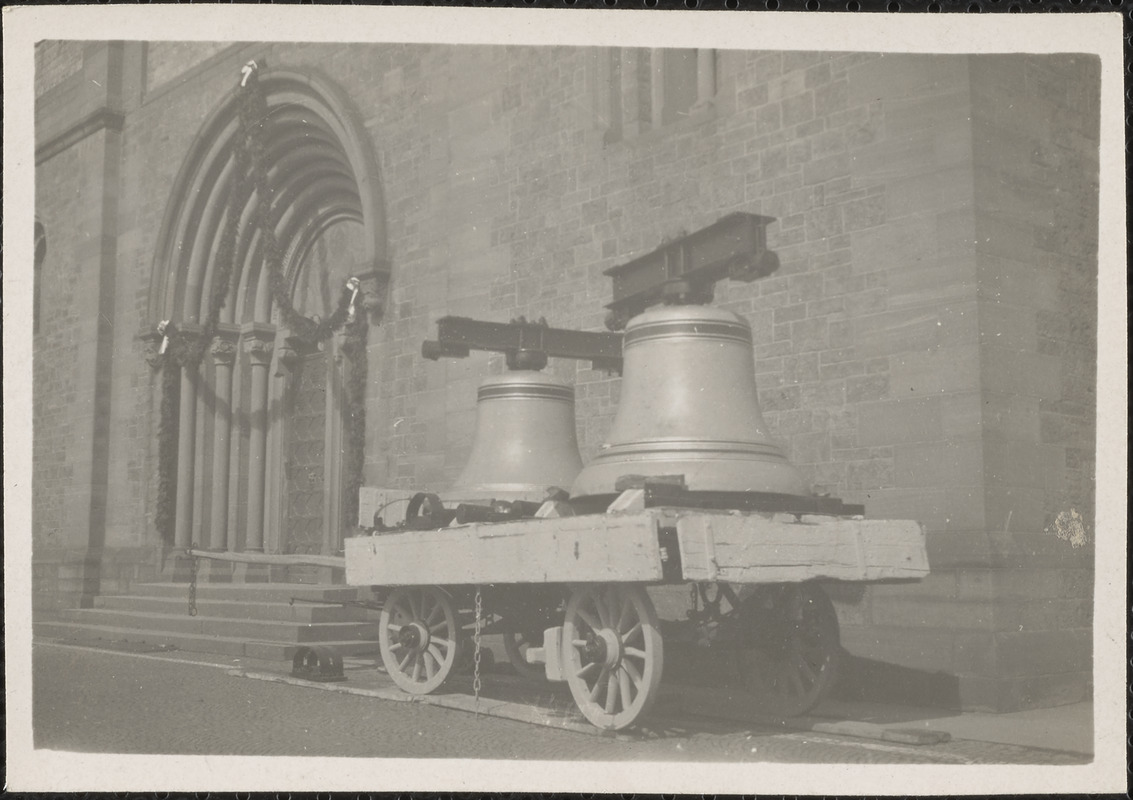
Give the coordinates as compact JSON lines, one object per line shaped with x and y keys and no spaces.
{"x":186,"y":449}
{"x":223,"y":357}
{"x":259,"y":342}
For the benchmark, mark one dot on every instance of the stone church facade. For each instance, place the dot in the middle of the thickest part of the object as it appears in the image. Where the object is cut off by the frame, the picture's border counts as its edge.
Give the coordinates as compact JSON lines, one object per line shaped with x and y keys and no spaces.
{"x":926,"y":348}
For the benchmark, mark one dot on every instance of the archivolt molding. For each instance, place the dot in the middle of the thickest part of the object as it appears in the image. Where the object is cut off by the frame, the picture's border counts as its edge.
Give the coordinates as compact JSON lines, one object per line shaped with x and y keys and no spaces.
{"x":322,"y":171}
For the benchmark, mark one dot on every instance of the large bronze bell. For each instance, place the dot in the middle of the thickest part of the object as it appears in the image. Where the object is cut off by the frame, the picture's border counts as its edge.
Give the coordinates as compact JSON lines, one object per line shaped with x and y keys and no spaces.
{"x":689,"y":407}
{"x":524,"y":442}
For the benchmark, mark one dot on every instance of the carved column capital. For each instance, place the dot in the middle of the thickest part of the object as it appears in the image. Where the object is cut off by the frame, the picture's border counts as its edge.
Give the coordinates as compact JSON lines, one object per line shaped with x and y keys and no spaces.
{"x":292,"y":348}
{"x":152,"y":340}
{"x":259,"y":342}
{"x":223,"y":347}
{"x":375,"y":284}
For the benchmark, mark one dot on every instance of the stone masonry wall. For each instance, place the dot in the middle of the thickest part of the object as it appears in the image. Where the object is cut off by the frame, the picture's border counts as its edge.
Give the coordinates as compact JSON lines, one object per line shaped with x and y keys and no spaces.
{"x":1035,"y":135}
{"x":879,"y":345}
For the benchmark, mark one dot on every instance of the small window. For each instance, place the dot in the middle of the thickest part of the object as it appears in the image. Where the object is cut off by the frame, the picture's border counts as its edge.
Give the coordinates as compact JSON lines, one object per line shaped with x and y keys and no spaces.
{"x":39,"y":257}
{"x":649,"y":89}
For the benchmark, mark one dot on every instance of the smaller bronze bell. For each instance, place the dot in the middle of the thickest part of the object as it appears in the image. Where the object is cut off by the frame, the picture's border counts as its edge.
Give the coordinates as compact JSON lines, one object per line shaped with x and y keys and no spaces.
{"x":524,"y":442}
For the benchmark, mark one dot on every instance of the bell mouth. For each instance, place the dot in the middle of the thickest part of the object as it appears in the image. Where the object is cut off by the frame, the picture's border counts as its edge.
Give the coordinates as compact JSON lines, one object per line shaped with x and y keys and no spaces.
{"x":651,"y":449}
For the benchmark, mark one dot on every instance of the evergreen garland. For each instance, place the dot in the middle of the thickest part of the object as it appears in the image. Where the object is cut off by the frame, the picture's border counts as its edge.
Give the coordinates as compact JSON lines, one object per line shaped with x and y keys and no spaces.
{"x":164,"y":517}
{"x":354,"y":433}
{"x":187,"y":349}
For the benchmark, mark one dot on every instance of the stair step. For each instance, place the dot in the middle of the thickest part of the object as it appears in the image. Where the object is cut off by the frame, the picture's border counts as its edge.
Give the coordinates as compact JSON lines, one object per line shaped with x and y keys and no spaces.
{"x":237,"y":609}
{"x":254,"y":592}
{"x":198,"y":643}
{"x":265,"y":630}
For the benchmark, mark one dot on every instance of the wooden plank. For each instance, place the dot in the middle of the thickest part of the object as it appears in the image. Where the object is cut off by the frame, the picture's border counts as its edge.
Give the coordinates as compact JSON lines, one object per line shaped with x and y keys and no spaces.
{"x":277,"y":559}
{"x":744,"y":548}
{"x":592,"y":548}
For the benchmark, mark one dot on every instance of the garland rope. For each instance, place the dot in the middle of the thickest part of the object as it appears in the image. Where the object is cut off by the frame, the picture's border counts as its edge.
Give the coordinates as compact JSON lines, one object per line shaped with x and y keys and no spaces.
{"x":187,"y":349}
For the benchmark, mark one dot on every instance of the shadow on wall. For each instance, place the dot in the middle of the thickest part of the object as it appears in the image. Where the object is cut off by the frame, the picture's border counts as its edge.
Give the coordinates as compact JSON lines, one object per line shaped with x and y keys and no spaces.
{"x":879,"y":681}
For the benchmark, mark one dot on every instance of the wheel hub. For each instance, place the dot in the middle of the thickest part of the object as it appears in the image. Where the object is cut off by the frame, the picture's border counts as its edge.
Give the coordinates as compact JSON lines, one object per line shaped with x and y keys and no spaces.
{"x":414,"y":635}
{"x":611,"y":647}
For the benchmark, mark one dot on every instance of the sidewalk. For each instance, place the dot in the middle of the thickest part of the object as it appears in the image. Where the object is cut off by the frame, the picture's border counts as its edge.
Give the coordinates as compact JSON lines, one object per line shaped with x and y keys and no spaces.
{"x":1065,"y":728}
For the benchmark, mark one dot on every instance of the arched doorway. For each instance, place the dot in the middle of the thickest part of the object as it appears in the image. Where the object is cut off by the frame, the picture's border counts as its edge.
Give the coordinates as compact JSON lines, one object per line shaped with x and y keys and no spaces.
{"x":260,"y":444}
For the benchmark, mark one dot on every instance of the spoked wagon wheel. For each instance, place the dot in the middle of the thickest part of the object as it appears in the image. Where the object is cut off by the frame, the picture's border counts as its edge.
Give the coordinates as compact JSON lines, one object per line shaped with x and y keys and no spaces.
{"x":612,"y":653}
{"x":792,"y":660}
{"x":516,"y":645}
{"x":418,"y":637}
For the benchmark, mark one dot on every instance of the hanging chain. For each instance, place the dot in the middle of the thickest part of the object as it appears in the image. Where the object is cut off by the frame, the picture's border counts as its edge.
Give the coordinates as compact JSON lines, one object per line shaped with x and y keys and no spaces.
{"x":192,"y":584}
{"x":476,"y":648}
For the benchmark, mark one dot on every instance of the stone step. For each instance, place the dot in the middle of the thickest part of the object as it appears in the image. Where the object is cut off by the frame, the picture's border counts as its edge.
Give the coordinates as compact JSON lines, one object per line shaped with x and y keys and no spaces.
{"x":237,"y":609}
{"x":198,"y":643}
{"x":251,"y":629}
{"x":249,"y":592}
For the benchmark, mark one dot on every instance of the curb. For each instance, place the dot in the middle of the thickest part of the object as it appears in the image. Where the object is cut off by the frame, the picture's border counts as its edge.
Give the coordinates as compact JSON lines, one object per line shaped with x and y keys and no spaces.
{"x":722,"y":704}
{"x":502,"y":709}
{"x":692,"y":700}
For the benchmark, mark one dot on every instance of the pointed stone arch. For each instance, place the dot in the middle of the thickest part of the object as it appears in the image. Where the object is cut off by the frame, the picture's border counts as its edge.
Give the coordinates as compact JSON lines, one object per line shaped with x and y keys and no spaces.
{"x":232,"y":410}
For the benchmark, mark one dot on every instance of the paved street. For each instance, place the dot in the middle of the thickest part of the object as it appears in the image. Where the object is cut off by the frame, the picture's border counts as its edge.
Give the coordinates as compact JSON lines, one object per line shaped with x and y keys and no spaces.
{"x":95,"y":701}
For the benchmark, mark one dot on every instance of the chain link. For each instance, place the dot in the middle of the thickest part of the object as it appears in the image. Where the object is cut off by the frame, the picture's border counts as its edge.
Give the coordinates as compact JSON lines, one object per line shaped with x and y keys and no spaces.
{"x":192,"y":584}
{"x":476,"y":648}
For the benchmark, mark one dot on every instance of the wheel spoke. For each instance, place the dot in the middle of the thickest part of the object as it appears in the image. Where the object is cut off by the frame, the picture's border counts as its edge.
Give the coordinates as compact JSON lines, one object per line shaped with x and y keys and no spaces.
{"x":403,"y":611}
{"x":402,"y":664}
{"x":417,"y":667}
{"x":394,"y":628}
{"x":579,"y":642}
{"x":395,"y":646}
{"x":611,"y":693}
{"x":636,"y":653}
{"x":613,"y":606}
{"x":623,"y":615}
{"x":797,"y":682}
{"x":805,"y":669}
{"x":600,"y":607}
{"x":598,"y":684}
{"x":430,"y":670}
{"x":624,"y":684}
{"x":415,"y":605}
{"x":445,"y":643}
{"x":436,"y":654}
{"x":588,"y":618}
{"x":585,"y":669}
{"x":634,"y":675}
{"x":632,"y":632}
{"x":425,"y":604}
{"x":434,"y":614}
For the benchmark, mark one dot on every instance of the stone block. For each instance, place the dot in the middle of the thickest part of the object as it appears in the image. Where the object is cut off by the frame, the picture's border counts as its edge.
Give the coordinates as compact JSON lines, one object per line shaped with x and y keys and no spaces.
{"x":975,"y":651}
{"x":1024,"y":464}
{"x":1035,"y":653}
{"x":937,"y":464}
{"x":962,"y":414}
{"x":867,"y":388}
{"x":960,"y":549}
{"x":899,"y":421}
{"x":902,"y":646}
{"x":941,"y":370}
{"x":1012,"y":416}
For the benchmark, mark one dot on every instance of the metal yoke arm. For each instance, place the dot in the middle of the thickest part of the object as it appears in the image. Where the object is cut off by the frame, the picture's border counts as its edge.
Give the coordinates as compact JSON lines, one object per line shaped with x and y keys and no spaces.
{"x":685,"y":269}
{"x":526,"y":344}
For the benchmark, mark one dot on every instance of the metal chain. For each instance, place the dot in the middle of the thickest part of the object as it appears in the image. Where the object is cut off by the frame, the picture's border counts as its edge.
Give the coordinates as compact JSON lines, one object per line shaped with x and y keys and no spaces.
{"x":192,"y":584}
{"x":476,"y":649}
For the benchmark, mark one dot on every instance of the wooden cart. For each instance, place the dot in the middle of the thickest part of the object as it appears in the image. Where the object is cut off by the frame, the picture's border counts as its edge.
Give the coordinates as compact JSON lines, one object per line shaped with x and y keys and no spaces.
{"x":579,"y":595}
